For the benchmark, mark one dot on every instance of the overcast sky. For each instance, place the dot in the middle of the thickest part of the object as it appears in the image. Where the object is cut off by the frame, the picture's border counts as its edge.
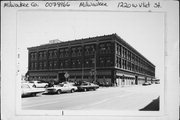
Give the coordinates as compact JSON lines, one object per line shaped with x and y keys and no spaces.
{"x":142,"y":30}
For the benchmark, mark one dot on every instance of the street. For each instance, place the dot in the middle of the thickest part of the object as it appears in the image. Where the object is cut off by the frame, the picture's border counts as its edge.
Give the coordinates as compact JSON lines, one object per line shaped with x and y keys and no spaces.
{"x":135,"y":97}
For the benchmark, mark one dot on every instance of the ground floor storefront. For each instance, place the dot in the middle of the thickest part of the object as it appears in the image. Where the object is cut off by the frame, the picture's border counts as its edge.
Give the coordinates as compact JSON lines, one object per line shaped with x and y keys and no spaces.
{"x":103,"y":77}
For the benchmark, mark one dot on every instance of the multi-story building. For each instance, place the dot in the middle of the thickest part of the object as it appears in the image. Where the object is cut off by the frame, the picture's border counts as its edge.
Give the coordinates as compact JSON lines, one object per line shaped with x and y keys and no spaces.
{"x":107,"y":60}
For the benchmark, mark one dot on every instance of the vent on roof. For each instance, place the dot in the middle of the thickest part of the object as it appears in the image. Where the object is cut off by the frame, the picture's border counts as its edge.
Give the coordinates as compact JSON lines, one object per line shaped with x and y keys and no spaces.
{"x":54,"y":41}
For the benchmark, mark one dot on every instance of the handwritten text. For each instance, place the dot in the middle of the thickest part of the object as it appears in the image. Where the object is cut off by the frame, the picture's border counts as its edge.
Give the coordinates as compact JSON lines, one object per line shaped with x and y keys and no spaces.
{"x":92,"y":4}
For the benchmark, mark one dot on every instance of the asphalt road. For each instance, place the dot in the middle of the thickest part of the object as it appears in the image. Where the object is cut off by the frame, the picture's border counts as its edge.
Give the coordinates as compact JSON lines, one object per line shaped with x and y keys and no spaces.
{"x":108,"y":98}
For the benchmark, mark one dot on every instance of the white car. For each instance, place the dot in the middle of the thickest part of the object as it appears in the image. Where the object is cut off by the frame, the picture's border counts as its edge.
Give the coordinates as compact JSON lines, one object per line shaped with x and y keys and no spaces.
{"x":27,"y":90}
{"x":62,"y":87}
{"x":38,"y":84}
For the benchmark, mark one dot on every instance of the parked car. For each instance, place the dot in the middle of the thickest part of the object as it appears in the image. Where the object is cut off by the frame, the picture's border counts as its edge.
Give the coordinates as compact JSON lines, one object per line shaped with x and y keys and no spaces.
{"x":146,"y":83}
{"x":85,"y":86}
{"x":62,"y":87}
{"x":157,"y":82}
{"x":27,"y":90}
{"x":38,"y":84}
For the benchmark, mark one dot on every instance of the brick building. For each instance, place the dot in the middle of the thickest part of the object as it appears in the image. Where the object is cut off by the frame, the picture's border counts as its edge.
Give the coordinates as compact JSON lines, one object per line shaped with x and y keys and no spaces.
{"x":107,"y":60}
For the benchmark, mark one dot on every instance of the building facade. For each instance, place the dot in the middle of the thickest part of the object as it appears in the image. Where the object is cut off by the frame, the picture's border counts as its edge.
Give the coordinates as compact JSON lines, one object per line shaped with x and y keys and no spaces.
{"x":106,"y":60}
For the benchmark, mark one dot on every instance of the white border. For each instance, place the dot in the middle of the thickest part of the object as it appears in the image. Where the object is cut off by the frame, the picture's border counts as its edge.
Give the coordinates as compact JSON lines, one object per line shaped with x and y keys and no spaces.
{"x":9,"y":111}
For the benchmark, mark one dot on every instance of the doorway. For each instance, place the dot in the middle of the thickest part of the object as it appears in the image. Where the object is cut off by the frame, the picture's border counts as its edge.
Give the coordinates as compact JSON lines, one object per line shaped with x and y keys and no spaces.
{"x":61,"y":77}
{"x":136,"y":80}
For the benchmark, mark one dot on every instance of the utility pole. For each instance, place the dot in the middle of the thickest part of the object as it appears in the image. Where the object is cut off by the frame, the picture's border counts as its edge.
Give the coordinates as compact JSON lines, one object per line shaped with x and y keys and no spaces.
{"x":95,"y":66}
{"x":82,"y":70}
{"x":82,"y":60}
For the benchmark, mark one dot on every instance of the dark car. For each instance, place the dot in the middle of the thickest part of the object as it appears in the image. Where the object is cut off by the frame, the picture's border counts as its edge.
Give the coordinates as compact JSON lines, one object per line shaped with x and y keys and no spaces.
{"x":85,"y":86}
{"x":146,"y":83}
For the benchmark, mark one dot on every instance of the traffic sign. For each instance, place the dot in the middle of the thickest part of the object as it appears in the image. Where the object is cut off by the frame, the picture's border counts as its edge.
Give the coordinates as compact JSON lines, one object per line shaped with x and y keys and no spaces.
{"x":66,"y":75}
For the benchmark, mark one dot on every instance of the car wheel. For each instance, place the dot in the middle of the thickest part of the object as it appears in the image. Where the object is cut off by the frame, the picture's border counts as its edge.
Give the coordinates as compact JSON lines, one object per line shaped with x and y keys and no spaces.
{"x":59,"y":92}
{"x":46,"y":86}
{"x":34,"y":86}
{"x":72,"y":90}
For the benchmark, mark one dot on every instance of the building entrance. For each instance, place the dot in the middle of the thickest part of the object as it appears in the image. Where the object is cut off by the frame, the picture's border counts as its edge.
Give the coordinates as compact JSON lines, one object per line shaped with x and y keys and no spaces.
{"x":61,"y":77}
{"x":136,"y":80}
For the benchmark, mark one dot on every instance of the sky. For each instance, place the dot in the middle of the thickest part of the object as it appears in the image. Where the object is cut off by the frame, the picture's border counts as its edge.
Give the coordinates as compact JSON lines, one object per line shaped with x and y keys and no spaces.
{"x":142,"y":30}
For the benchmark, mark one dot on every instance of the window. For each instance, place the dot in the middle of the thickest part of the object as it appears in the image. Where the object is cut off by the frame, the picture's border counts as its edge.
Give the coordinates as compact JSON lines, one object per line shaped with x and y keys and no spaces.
{"x":79,"y":51}
{"x":123,"y":52}
{"x":101,"y":62}
{"x":117,"y":49}
{"x":50,"y":54}
{"x":86,"y":63}
{"x":108,"y":48}
{"x":32,"y":66}
{"x":117,"y":62}
{"x":78,"y":63}
{"x":32,"y":56}
{"x":91,"y":62}
{"x":40,"y":65}
{"x":132,"y":57}
{"x":35,"y":66}
{"x":73,"y":52}
{"x":61,"y":64}
{"x":61,"y":53}
{"x":44,"y":65}
{"x":55,"y":54}
{"x":44,"y":55}
{"x":50,"y":65}
{"x":66,"y":63}
{"x":40,"y":55}
{"x":73,"y":63}
{"x":87,"y":50}
{"x":66,"y":52}
{"x":102,"y":49}
{"x":92,"y":49}
{"x":132,"y":67}
{"x":55,"y":64}
{"x":108,"y":62}
{"x":128,"y":55}
{"x":35,"y":56}
{"x":129,"y":66}
{"x":125,"y":64}
{"x":120,"y":63}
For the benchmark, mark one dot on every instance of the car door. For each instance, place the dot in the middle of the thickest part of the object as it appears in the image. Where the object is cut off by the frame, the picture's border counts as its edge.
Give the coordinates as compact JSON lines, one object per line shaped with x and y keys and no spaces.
{"x":66,"y":87}
{"x":61,"y":87}
{"x":41,"y":84}
{"x":38,"y":84}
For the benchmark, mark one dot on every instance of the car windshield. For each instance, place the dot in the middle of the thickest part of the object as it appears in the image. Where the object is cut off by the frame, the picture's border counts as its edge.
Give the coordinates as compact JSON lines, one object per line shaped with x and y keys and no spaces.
{"x":84,"y":83}
{"x":25,"y":86}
